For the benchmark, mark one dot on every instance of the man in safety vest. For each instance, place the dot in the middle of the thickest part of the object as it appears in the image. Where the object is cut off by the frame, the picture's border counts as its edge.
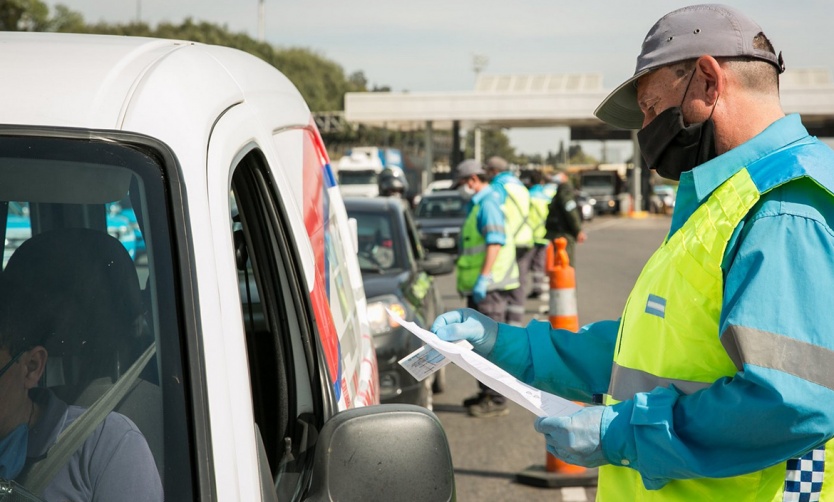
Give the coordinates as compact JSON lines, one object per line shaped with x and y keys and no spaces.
{"x":721,"y":386}
{"x":541,"y":193}
{"x":486,"y":268}
{"x":515,"y":201}
{"x":563,"y":218}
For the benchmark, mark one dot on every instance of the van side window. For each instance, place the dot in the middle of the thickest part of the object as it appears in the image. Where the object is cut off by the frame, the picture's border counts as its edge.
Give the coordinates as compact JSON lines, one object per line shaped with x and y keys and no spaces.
{"x":90,"y":282}
{"x":277,"y":324}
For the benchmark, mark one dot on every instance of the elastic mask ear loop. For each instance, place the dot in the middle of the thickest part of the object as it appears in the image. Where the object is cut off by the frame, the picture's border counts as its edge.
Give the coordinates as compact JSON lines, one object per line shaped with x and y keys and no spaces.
{"x":685,"y":92}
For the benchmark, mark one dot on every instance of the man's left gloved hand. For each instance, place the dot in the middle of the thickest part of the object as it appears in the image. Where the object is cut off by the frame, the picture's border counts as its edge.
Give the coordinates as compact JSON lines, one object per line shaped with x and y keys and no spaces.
{"x":479,"y":292}
{"x":575,"y":438}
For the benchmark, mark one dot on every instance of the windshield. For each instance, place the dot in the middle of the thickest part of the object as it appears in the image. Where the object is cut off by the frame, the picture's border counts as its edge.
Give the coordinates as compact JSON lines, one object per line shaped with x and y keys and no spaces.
{"x":447,"y":206}
{"x":89,"y":293}
{"x":368,"y":177}
{"x":379,"y":250}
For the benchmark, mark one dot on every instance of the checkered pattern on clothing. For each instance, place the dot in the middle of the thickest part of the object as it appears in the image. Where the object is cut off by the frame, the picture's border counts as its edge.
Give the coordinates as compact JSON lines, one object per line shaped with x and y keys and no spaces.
{"x":803,"y":479}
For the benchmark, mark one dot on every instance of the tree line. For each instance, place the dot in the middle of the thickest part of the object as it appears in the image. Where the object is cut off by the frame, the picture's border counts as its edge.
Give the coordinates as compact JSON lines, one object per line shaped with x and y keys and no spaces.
{"x":321,"y":81}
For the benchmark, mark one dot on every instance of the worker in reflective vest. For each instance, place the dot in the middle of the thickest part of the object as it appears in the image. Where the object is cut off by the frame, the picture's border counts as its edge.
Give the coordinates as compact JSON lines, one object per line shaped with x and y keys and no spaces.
{"x":487,"y":272}
{"x":541,"y":193}
{"x":515,"y":201}
{"x":721,"y":383}
{"x":563,"y":217}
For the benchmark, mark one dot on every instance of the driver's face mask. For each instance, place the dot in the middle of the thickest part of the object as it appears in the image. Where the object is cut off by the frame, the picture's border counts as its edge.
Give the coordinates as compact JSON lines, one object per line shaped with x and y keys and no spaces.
{"x":671,"y":147}
{"x":13,"y":452}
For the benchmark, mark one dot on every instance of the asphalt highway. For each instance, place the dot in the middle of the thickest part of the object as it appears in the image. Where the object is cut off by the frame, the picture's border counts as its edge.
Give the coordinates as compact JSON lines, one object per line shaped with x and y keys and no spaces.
{"x":488,"y":453}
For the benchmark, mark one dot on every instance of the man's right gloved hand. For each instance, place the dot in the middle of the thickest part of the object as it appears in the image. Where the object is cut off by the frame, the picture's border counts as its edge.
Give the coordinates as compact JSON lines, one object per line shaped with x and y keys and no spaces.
{"x":469,"y":325}
{"x":479,"y":291}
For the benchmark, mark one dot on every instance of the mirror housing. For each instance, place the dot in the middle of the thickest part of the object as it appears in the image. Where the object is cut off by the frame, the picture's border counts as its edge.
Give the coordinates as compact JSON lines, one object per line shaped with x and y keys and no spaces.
{"x":383,"y":452}
{"x":437,"y":264}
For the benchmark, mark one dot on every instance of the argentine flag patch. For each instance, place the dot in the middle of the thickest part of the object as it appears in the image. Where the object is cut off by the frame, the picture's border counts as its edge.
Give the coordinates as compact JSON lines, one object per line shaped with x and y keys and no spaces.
{"x":656,"y":305}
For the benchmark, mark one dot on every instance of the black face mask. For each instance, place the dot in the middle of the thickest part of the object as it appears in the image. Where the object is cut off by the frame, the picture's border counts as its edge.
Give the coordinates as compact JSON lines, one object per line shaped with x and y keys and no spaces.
{"x":671,"y":148}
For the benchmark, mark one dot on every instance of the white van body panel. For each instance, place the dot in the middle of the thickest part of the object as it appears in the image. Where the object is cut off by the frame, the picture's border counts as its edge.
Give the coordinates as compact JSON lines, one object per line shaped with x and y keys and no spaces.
{"x":206,"y":104}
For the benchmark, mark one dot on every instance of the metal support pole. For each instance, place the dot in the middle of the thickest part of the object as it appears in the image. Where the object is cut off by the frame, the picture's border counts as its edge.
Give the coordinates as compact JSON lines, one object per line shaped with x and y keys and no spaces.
{"x":261,"y":20}
{"x":478,"y":153}
{"x":429,"y":163}
{"x":637,"y":178}
{"x":455,"y":156}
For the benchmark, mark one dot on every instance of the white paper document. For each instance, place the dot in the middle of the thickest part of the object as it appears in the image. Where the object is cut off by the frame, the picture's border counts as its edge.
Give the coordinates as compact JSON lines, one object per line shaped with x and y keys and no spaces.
{"x":425,"y":361}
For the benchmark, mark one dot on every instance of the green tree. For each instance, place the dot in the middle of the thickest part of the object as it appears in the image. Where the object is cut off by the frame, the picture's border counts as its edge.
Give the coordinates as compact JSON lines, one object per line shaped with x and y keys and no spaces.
{"x":66,"y":21}
{"x":577,"y":156}
{"x":23,"y":15}
{"x":493,"y":142}
{"x":321,"y":81}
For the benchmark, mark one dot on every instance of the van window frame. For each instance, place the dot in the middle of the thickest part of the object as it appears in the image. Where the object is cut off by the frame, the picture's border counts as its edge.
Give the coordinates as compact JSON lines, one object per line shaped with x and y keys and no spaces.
{"x":282,"y":294}
{"x":196,"y":426}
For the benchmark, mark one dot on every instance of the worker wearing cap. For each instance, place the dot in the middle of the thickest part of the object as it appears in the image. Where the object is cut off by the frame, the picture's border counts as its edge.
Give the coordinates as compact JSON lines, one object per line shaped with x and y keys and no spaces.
{"x":563,"y":218}
{"x":515,"y":201}
{"x":541,"y":193}
{"x":486,"y":268}
{"x":721,"y":386}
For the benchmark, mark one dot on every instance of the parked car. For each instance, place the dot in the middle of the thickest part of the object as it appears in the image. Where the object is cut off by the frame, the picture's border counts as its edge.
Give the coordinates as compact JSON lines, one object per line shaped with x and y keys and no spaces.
{"x":441,"y":185}
{"x":438,"y":186}
{"x":662,"y":199}
{"x":397,"y":274}
{"x":440,"y":216}
{"x":241,"y":348}
{"x":586,"y":205}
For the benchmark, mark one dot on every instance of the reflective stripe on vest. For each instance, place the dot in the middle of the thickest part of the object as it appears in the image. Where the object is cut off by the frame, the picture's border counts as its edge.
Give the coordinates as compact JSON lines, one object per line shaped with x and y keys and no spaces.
{"x":517,"y":210}
{"x":472,"y":256}
{"x":537,"y":219}
{"x":679,"y":295}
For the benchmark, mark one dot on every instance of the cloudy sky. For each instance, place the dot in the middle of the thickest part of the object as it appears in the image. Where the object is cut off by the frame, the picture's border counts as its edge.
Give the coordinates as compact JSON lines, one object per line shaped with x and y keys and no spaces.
{"x":429,"y":45}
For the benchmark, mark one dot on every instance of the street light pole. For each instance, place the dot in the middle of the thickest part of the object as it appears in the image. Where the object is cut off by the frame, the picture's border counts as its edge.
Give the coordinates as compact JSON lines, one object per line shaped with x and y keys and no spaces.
{"x":261,"y":21}
{"x":138,"y":11}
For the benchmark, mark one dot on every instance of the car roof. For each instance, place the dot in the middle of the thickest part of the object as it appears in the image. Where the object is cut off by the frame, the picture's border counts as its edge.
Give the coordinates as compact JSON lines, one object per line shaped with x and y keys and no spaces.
{"x":441,"y":194}
{"x":102,"y":81}
{"x":382,"y":204}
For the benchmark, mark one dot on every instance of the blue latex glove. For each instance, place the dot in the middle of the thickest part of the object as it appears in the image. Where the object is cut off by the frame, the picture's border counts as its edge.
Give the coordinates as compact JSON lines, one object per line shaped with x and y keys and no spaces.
{"x":479,"y":292}
{"x":575,"y":438}
{"x":469,"y":325}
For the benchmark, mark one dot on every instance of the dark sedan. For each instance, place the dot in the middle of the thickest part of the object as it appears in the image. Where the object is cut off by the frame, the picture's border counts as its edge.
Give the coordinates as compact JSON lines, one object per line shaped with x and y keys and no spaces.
{"x":440,"y":216}
{"x":397,"y":273}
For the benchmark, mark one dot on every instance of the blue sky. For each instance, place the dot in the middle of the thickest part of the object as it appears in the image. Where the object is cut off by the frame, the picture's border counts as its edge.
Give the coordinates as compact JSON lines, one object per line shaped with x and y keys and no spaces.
{"x":428,"y":45}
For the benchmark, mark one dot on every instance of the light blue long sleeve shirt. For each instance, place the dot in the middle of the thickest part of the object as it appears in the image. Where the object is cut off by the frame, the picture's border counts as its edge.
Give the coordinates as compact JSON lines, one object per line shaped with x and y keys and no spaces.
{"x":779,"y":278}
{"x":490,"y":219}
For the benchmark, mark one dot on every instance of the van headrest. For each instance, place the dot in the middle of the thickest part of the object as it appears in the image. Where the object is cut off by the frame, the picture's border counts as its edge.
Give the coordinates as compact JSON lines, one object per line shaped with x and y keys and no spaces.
{"x":71,"y":289}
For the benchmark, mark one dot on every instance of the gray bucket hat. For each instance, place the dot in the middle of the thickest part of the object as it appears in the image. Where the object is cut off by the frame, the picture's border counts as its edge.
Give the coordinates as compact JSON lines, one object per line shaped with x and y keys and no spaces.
{"x":687,"y":33}
{"x":497,"y":164}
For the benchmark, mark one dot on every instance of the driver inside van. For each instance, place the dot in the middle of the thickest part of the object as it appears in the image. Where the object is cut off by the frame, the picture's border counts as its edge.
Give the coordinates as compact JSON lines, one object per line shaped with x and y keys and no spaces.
{"x":114,"y":462}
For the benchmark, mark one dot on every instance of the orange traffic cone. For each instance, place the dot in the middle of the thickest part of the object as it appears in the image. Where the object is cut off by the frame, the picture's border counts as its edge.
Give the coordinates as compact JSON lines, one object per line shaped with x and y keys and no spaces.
{"x":563,"y":314}
{"x":563,"y":311}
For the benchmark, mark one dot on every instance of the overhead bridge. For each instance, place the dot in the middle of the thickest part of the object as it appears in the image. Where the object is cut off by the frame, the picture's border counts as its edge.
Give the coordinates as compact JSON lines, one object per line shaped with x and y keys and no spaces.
{"x":542,"y":100}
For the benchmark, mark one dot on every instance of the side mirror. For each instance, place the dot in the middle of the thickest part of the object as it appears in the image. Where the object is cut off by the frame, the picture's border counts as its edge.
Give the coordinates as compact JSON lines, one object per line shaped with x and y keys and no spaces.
{"x":437,"y":264}
{"x":383,"y":452}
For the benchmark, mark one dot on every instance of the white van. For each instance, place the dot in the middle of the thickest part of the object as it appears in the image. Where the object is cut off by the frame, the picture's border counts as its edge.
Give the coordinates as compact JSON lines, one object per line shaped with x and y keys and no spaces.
{"x":359,"y":169}
{"x":236,"y":344}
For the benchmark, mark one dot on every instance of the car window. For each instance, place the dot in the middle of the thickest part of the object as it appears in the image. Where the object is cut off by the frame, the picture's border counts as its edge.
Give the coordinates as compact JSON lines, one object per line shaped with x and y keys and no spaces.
{"x":441,"y":207}
{"x":278,"y":327}
{"x":368,"y":177}
{"x":414,"y":243}
{"x":379,"y":248}
{"x":72,"y":284}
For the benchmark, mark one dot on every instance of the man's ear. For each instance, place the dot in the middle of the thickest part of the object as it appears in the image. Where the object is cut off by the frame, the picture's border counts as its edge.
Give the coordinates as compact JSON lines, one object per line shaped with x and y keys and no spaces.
{"x":713,"y":79}
{"x":35,"y":363}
